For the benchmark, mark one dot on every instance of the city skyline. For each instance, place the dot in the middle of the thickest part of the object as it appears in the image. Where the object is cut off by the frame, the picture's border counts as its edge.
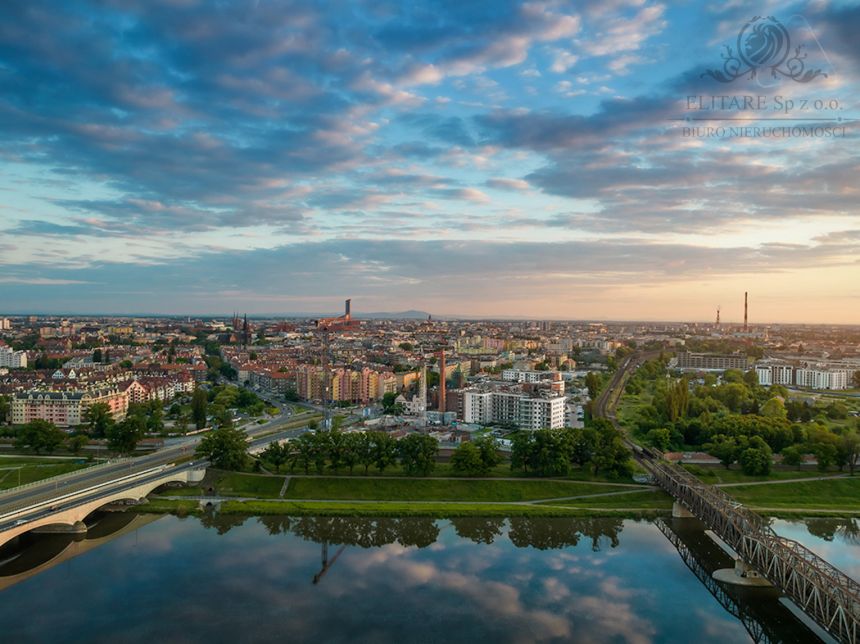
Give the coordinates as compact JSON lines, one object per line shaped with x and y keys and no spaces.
{"x":524,"y":161}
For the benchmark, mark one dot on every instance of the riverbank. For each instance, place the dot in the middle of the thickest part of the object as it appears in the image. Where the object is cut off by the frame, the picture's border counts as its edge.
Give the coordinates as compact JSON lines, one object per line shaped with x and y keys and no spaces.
{"x":238,"y":493}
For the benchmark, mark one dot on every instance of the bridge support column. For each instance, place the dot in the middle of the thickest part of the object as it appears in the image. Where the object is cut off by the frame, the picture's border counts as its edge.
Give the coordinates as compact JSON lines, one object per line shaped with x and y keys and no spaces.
{"x":741,"y":575}
{"x":680,"y":512}
{"x":78,"y":527}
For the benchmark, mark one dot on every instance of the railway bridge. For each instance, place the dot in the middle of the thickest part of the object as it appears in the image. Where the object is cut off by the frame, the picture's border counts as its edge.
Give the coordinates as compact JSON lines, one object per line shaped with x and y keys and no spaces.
{"x":825,"y":594}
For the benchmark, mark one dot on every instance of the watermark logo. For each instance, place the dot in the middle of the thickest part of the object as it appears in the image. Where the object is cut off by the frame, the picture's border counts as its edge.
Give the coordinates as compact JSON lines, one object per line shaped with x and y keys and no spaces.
{"x":762,"y":44}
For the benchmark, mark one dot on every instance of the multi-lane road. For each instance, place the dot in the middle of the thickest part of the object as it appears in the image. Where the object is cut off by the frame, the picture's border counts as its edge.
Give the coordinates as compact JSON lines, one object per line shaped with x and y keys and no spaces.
{"x":38,"y":492}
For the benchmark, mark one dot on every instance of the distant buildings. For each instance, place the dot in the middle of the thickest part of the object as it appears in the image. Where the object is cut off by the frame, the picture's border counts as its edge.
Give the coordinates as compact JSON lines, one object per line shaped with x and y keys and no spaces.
{"x":544,"y":409}
{"x":65,"y":408}
{"x":12,"y":359}
{"x":712,"y":361}
{"x":807,"y":375}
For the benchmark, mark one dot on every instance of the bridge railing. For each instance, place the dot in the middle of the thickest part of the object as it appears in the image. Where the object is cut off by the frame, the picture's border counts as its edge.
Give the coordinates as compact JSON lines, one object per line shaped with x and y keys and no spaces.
{"x":61,"y":477}
{"x":822,"y":591}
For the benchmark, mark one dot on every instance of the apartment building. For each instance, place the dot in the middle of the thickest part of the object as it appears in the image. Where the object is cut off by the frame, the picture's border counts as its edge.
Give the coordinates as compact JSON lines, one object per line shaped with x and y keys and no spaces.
{"x":542,"y":410}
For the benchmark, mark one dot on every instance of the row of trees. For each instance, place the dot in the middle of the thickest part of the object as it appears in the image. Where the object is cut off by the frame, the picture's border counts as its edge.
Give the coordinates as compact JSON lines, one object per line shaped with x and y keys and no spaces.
{"x":226,"y":448}
{"x":554,"y":452}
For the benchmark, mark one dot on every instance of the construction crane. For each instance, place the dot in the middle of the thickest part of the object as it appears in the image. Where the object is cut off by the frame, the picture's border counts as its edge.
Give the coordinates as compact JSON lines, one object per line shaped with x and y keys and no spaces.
{"x":326,"y":326}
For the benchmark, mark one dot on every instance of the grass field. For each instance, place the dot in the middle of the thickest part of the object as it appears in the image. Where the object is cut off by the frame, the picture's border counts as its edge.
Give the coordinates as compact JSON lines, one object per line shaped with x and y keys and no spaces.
{"x":641,"y":500}
{"x":435,"y":510}
{"x":35,"y":469}
{"x":717,"y":475}
{"x":437,"y":490}
{"x":234,"y":484}
{"x":833,"y":494}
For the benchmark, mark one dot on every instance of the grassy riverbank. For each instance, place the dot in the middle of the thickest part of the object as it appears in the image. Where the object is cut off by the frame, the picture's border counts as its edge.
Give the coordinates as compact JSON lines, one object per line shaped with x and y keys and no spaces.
{"x":35,"y":469}
{"x":440,"y":497}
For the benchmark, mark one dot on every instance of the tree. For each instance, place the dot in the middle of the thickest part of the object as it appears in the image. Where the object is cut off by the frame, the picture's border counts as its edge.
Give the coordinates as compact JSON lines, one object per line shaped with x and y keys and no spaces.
{"x":98,"y":419}
{"x":466,"y":459}
{"x":418,"y":454}
{"x":773,"y":408}
{"x":855,"y":379}
{"x":792,"y":456}
{"x":304,"y":452}
{"x":593,"y":382}
{"x":849,"y":445}
{"x":384,"y":450}
{"x":825,"y":454}
{"x":226,"y":448}
{"x":199,"y":403}
{"x":76,"y":443}
{"x":40,"y":435}
{"x":276,"y":454}
{"x":4,"y":408}
{"x":756,"y":461}
{"x":97,"y":356}
{"x":155,"y":417}
{"x":725,"y":448}
{"x":659,"y":438}
{"x":388,"y":402}
{"x":521,"y":450}
{"x":351,"y":450}
{"x":124,"y":436}
{"x":365,"y":450}
{"x":489,"y":448}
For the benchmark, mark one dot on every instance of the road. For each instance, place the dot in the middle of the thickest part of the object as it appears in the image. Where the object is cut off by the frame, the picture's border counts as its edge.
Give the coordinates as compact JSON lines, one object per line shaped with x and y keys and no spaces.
{"x":34,"y":493}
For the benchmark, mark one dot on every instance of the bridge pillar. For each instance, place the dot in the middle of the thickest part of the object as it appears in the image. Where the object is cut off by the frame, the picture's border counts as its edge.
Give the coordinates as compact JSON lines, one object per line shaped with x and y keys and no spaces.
{"x":680,"y":512}
{"x":78,"y":527}
{"x":741,"y":575}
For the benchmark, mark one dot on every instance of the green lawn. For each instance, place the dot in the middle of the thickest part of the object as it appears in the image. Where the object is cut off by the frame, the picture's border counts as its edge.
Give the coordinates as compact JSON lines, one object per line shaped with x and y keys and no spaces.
{"x":834,"y":494}
{"x":234,"y":484}
{"x":639,"y":500}
{"x":420,"y":489}
{"x":437,"y":510}
{"x":717,"y":475}
{"x":34,"y":471}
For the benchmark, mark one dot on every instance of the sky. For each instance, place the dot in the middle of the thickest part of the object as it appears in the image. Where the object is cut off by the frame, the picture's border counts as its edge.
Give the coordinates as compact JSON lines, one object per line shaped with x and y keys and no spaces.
{"x":531,"y":159}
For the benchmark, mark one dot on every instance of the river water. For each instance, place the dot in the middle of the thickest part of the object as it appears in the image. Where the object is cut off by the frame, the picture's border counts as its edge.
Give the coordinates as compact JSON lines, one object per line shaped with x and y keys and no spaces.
{"x":140,"y":578}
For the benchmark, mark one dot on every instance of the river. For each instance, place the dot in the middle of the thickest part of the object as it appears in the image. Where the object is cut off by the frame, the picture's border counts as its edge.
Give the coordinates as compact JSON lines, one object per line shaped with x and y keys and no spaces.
{"x":143,"y":578}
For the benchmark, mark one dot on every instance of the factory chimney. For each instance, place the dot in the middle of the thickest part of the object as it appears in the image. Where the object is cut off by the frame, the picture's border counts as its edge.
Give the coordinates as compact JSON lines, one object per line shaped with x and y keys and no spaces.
{"x":746,"y":310}
{"x":442,"y":383}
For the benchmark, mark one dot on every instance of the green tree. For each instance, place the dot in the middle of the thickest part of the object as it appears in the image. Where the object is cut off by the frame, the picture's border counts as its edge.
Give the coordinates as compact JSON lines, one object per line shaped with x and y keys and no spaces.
{"x":98,"y":419}
{"x":593,"y":382}
{"x":489,"y":448}
{"x":388,"y":402}
{"x":5,"y":407}
{"x":304,"y":452}
{"x":97,"y":356}
{"x":756,"y":461}
{"x":792,"y":456}
{"x":466,"y":459}
{"x":276,"y":454}
{"x":384,"y":450}
{"x":418,"y":454}
{"x":825,"y":454}
{"x":155,"y":417}
{"x":124,"y":436}
{"x":849,"y":446}
{"x":774,"y":408}
{"x":76,"y":442}
{"x":226,"y":448}
{"x":660,"y":438}
{"x":522,"y":444}
{"x":352,"y":450}
{"x":199,"y":403}
{"x":725,"y":448}
{"x":40,"y":435}
{"x":366,"y":450}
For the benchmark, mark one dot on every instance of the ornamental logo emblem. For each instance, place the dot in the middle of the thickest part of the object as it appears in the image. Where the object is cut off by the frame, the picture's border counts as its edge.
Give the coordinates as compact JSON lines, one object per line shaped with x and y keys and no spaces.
{"x":765,"y":44}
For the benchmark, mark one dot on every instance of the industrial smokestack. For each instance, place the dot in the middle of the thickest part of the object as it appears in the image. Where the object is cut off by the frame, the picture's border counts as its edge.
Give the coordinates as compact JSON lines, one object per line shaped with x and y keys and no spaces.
{"x":442,"y":383}
{"x":746,"y":310}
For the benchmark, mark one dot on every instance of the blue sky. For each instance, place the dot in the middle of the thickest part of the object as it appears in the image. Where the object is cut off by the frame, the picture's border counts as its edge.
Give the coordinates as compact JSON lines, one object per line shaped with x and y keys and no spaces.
{"x":498,"y":158}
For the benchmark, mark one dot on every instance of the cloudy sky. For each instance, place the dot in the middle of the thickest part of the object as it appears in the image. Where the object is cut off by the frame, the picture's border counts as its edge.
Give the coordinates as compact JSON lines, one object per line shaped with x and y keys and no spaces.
{"x":472,"y":158}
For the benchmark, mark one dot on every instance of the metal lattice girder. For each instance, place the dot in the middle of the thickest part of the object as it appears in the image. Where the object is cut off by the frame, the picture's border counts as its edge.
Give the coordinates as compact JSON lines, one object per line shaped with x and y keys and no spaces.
{"x":826,"y":594}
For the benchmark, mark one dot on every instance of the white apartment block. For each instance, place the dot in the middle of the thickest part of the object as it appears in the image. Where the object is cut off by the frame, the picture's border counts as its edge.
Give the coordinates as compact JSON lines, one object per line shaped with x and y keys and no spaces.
{"x":809,"y":376}
{"x":12,"y":359}
{"x":5,"y":324}
{"x":527,"y":412}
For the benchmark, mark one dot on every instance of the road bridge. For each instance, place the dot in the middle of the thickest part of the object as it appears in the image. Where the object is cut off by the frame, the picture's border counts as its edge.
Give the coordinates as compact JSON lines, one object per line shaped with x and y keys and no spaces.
{"x":65,"y":501}
{"x":825,"y":594}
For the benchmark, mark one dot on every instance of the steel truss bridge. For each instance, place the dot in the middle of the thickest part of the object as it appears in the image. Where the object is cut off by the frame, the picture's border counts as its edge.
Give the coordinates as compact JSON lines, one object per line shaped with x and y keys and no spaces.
{"x":758,"y":630}
{"x":827,"y":595}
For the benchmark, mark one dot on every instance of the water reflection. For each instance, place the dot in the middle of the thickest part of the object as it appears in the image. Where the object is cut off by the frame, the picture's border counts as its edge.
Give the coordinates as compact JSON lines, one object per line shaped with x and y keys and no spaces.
{"x":234,"y":578}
